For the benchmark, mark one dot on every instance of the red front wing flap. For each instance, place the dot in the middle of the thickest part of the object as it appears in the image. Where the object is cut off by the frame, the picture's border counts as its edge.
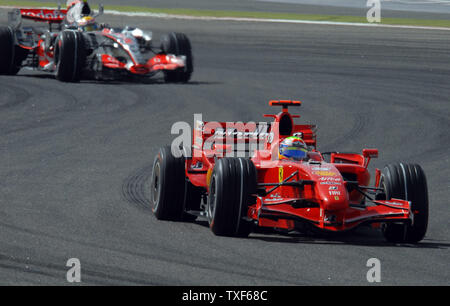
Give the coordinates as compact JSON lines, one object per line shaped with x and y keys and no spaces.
{"x":394,"y":210}
{"x":282,"y":215}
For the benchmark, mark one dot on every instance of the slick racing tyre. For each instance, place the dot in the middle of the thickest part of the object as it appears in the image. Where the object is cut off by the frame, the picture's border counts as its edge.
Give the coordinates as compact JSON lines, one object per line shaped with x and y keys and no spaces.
{"x":171,"y":194}
{"x":407,"y":182}
{"x":231,"y":190}
{"x":70,"y":56}
{"x":178,"y":44}
{"x":11,"y":57}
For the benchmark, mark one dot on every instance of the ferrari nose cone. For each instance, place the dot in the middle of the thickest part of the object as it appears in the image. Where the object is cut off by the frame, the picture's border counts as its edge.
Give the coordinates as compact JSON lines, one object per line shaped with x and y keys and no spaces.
{"x":335,"y":200}
{"x":330,"y":188}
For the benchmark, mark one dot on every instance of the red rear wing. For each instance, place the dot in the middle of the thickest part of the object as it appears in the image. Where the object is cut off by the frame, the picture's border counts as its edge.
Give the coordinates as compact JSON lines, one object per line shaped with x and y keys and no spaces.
{"x":44,"y":15}
{"x":224,"y":136}
{"x":211,"y":135}
{"x":284,"y":103}
{"x":234,"y":132}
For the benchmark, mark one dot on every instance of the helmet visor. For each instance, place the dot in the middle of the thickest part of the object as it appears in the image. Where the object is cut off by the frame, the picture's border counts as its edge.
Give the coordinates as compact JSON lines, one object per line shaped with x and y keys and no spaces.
{"x":90,"y":28}
{"x":294,"y":153}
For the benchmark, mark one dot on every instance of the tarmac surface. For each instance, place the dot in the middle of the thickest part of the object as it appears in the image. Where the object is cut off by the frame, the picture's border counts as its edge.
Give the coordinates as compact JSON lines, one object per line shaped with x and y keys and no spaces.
{"x":76,"y":158}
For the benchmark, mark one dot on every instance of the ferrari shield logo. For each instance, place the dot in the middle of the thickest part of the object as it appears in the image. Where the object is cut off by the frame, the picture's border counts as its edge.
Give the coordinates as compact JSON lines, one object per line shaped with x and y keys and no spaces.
{"x":280,"y":174}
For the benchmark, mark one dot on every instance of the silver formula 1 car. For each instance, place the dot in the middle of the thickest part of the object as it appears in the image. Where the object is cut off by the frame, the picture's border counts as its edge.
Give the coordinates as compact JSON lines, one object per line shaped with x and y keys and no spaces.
{"x":75,"y":47}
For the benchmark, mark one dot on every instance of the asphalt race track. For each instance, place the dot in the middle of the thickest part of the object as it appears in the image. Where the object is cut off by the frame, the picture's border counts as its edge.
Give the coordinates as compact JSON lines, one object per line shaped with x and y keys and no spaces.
{"x":76,"y":158}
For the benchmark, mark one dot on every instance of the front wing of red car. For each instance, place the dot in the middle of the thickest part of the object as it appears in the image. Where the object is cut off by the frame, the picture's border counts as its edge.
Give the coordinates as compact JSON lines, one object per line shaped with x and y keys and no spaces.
{"x":284,"y":213}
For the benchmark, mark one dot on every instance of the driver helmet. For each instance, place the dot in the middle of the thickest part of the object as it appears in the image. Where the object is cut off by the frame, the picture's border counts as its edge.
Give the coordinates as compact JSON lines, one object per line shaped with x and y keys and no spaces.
{"x":294,"y":148}
{"x":87,"y":24}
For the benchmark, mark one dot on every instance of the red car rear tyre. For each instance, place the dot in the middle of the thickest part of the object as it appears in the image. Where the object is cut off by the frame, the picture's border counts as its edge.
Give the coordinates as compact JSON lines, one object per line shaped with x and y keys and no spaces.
{"x":171,"y":193}
{"x":167,"y":185}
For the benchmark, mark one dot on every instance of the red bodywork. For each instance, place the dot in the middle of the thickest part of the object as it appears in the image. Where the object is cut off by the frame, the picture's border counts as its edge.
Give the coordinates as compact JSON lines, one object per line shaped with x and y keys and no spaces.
{"x":325,"y":198}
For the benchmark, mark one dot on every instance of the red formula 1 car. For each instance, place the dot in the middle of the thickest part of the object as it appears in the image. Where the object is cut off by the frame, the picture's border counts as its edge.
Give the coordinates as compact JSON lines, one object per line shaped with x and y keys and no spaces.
{"x":326,"y":191}
{"x":84,"y":49}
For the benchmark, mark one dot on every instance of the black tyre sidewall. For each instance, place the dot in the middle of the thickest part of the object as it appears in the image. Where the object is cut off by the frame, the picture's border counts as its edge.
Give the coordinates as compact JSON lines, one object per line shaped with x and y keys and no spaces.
{"x":70,"y":56}
{"x":172,"y":185}
{"x":178,"y":44}
{"x":248,"y":189}
{"x":7,"y":50}
{"x":418,"y":195}
{"x":234,"y":182}
{"x":408,"y":182}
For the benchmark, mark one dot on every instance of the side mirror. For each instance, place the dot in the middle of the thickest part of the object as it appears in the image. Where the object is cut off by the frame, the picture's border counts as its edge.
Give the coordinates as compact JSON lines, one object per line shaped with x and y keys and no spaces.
{"x":101,"y":9}
{"x":15,"y":19}
{"x":100,"y":12}
{"x":372,"y":153}
{"x":369,"y":153}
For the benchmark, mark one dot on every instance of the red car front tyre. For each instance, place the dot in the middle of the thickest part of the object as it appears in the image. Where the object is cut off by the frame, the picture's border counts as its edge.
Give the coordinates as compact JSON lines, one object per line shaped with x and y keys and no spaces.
{"x":407,"y":182}
{"x":232,"y":186}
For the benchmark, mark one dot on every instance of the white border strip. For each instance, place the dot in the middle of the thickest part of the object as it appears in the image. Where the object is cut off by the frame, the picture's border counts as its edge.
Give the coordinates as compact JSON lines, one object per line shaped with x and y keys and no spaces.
{"x":242,"y":19}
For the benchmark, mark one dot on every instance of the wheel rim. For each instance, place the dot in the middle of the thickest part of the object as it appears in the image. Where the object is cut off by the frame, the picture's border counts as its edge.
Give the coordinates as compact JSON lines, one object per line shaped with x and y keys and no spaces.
{"x":156,"y":185}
